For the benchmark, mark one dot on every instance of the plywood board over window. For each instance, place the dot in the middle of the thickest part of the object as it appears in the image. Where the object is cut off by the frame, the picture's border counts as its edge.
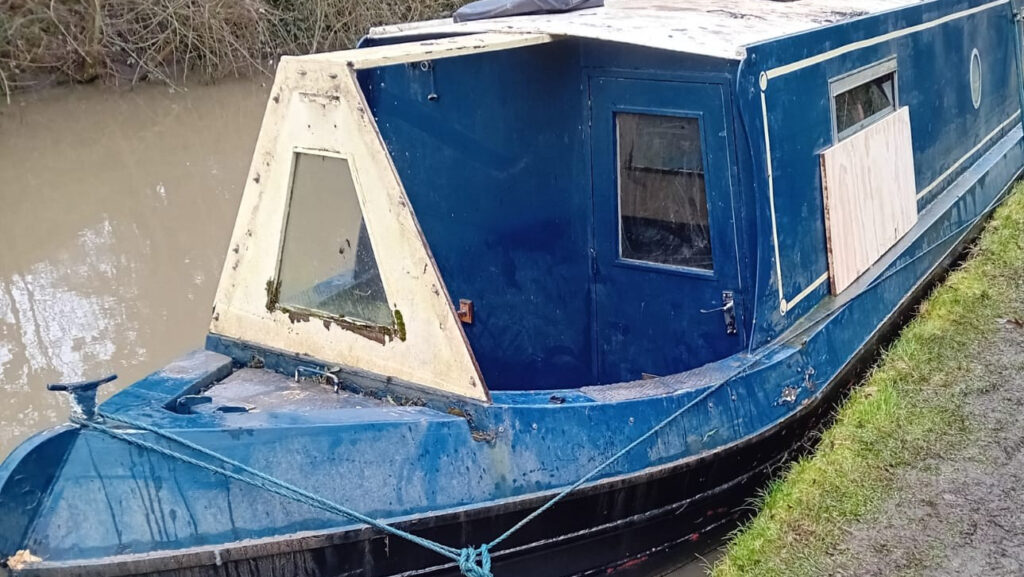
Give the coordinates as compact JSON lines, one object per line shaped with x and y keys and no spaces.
{"x":870,"y":196}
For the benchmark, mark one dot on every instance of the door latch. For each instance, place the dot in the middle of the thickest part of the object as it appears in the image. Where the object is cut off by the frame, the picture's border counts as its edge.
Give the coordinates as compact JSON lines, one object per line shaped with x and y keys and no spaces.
{"x":465,"y":311}
{"x":728,"y":309}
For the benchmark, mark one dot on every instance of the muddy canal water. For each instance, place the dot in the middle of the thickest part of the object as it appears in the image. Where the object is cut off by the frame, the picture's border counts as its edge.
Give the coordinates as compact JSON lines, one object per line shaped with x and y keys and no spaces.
{"x":116,"y":208}
{"x":115,"y":212}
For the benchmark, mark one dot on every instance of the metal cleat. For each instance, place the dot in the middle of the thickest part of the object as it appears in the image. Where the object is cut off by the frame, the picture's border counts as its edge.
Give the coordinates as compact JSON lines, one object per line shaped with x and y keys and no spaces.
{"x":83,"y":396}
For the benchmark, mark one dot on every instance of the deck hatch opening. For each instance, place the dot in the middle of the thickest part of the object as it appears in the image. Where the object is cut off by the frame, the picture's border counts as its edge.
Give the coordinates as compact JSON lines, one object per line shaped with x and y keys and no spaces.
{"x":327,"y":261}
{"x":663,"y":208}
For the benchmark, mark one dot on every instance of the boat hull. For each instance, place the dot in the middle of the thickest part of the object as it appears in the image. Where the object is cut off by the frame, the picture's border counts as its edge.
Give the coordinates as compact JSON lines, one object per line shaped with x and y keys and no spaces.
{"x":611,"y":526}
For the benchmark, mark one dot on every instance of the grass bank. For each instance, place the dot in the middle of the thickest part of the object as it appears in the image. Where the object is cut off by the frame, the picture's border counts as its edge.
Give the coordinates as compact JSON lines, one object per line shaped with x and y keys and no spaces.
{"x":908,"y":410}
{"x":124,"y":41}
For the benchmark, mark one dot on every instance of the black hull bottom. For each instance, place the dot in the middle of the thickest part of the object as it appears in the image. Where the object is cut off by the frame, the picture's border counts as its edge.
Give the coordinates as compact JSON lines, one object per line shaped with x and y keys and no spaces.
{"x":611,"y":528}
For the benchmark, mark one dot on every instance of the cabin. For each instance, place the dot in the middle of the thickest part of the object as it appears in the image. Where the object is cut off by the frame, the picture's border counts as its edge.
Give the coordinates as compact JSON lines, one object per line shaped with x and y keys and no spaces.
{"x":605,"y":197}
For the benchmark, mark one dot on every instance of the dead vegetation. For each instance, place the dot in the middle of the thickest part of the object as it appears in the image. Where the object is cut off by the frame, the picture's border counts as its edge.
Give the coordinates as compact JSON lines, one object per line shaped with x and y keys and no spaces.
{"x":43,"y":42}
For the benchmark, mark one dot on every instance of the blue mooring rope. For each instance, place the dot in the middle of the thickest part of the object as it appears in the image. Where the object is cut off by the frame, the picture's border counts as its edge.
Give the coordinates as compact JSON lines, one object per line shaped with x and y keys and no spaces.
{"x":472,"y":561}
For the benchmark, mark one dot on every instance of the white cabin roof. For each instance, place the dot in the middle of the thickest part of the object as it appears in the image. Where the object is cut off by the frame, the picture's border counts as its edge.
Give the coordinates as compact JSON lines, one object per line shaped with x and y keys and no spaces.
{"x":717,"y":28}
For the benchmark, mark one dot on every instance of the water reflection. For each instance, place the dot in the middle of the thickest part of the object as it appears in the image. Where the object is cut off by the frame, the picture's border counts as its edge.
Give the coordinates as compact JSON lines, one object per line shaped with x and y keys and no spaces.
{"x":115,"y":213}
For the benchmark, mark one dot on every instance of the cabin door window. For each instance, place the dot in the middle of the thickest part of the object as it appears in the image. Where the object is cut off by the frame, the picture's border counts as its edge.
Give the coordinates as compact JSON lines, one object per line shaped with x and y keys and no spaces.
{"x":328,"y":267}
{"x":663,"y":207}
{"x":664,"y":235}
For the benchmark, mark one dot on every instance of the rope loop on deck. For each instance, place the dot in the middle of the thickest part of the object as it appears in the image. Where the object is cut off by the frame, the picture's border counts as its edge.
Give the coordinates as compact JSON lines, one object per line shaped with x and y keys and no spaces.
{"x":472,"y":561}
{"x":468,"y":561}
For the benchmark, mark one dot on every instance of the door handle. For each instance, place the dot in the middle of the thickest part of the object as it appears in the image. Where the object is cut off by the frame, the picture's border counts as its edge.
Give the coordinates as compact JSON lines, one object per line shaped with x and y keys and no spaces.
{"x":726,"y":307}
{"x":728,"y":310}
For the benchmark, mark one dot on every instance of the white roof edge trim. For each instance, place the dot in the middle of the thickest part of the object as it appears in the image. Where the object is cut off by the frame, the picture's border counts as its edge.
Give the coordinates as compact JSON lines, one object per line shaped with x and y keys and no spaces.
{"x":449,"y":47}
{"x":386,"y":29}
{"x":316,"y":107}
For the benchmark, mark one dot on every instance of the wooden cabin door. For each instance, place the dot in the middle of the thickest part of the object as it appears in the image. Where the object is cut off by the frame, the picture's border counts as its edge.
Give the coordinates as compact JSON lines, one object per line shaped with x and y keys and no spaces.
{"x":664,"y":239}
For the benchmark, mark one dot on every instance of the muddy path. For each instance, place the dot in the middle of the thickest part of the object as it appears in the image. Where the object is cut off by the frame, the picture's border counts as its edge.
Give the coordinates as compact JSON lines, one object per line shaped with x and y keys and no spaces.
{"x":959,"y":515}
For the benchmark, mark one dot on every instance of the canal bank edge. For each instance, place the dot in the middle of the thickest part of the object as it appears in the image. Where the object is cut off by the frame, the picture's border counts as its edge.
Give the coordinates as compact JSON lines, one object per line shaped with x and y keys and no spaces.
{"x":909,"y":409}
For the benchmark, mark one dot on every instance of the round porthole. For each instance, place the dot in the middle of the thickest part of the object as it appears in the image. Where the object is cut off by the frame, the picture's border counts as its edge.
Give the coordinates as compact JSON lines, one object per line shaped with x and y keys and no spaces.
{"x":975,"y":78}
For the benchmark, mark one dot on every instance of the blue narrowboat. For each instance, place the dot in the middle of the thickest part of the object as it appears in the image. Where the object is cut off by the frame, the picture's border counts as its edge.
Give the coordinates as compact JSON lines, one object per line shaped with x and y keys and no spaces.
{"x":539,"y":294}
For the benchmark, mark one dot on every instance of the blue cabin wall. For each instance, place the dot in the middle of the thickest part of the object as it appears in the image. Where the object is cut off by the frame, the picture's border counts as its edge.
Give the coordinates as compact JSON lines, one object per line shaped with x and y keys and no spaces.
{"x":497,"y":168}
{"x":493,"y":167}
{"x":948,"y":134}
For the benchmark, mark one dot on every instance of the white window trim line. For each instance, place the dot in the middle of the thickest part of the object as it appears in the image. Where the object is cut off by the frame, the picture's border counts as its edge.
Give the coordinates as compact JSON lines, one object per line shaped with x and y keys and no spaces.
{"x":812,"y":60}
{"x":448,"y":47}
{"x":859,"y":77}
{"x":967,"y":156}
{"x":862,"y":75}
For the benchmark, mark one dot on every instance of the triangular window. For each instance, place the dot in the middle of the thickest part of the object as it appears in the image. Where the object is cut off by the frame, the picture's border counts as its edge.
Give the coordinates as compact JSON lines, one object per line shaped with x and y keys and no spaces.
{"x":328,"y":267}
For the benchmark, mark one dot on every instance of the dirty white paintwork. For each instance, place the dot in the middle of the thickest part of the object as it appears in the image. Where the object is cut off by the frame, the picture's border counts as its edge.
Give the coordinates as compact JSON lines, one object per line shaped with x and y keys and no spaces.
{"x":717,"y":28}
{"x":401,"y":53}
{"x":316,"y":105}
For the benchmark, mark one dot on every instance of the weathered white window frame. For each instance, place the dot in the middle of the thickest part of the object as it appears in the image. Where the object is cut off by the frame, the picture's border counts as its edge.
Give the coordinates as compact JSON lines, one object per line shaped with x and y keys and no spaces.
{"x":345,"y":323}
{"x":317,"y":106}
{"x":850,"y":80}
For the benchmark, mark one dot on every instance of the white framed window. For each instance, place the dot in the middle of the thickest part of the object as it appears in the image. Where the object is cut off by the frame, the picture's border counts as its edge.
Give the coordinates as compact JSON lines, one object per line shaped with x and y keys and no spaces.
{"x":327,"y":266}
{"x":863,"y":97}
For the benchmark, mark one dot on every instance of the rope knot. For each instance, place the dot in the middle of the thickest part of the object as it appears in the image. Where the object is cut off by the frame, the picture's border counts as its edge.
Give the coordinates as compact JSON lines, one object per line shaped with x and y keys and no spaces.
{"x":468,"y":562}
